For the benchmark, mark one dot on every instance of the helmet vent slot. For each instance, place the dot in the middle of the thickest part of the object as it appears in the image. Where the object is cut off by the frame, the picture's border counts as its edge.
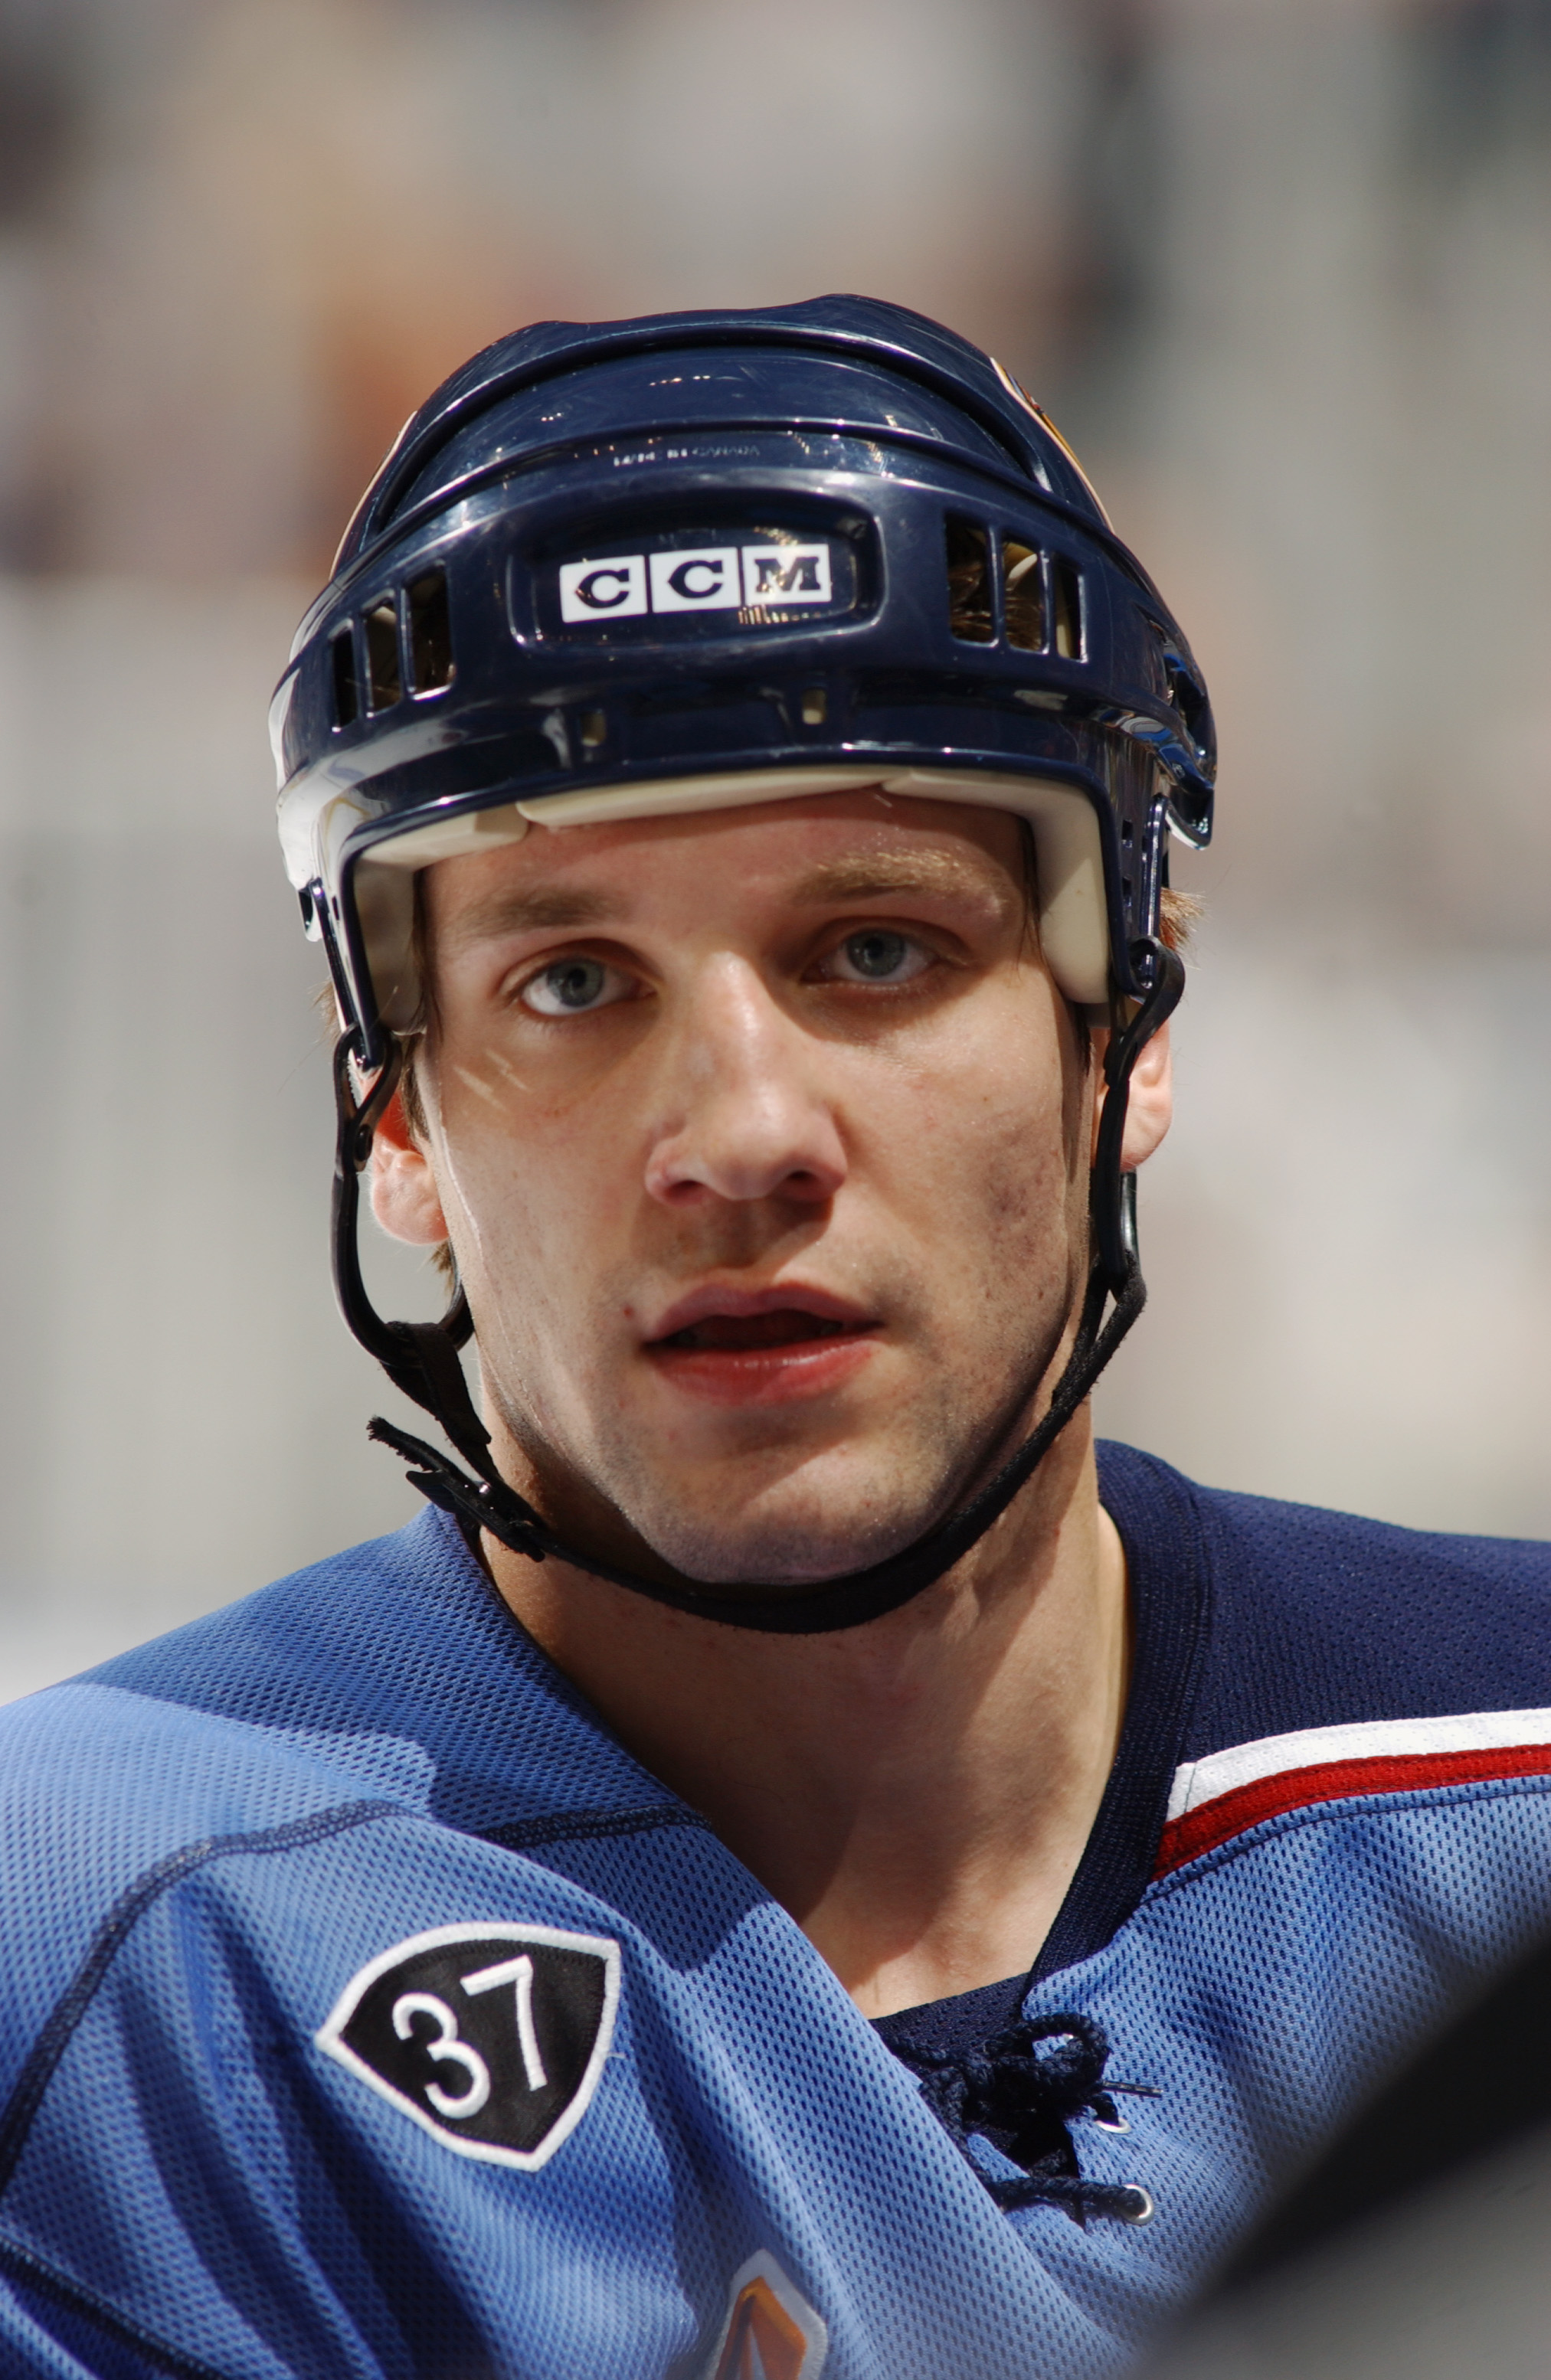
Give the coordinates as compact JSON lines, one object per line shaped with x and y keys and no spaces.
{"x":1068,"y":581}
{"x":1023,"y":595}
{"x":347,"y":699}
{"x":971,"y":616}
{"x":384,"y":684}
{"x":815,"y":706}
{"x":429,"y":632}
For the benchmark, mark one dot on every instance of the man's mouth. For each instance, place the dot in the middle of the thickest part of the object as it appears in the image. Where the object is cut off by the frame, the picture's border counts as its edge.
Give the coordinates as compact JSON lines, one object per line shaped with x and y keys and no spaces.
{"x":786,"y":1326}
{"x":761,"y":1346}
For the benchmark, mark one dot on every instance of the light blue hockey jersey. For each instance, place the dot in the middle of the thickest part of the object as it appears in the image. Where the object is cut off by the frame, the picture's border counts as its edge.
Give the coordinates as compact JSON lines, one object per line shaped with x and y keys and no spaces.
{"x":369,"y":2012}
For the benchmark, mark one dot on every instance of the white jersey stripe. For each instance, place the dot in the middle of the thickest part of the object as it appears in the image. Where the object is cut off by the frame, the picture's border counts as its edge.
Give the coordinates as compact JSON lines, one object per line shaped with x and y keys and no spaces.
{"x":1197,"y":1781}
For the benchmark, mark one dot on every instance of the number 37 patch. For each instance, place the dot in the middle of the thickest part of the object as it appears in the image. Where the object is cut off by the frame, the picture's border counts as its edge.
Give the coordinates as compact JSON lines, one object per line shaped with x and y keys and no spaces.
{"x":493,"y":2037}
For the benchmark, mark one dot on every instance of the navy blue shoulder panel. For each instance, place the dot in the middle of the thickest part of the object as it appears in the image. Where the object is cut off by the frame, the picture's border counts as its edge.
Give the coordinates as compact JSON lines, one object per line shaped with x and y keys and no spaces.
{"x":1322,"y":1618}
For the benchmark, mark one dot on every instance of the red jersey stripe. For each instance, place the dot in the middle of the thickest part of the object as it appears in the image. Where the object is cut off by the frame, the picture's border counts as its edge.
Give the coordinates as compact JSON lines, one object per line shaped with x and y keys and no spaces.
{"x":1217,"y":1821}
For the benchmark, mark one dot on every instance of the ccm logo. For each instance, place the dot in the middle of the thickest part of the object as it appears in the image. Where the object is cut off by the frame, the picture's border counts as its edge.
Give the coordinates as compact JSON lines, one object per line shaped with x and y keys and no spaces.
{"x":707,"y":578}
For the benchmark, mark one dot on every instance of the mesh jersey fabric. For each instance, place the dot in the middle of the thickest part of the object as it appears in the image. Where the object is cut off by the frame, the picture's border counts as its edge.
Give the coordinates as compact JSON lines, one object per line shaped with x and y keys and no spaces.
{"x":204,"y":1842}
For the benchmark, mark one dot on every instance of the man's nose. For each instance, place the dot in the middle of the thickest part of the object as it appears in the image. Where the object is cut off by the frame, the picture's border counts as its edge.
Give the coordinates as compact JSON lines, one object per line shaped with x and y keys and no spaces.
{"x":743,"y":1114}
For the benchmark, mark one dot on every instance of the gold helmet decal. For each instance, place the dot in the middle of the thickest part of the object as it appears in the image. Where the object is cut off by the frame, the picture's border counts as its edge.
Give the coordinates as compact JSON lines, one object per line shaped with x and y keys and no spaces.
{"x":1015,"y":389}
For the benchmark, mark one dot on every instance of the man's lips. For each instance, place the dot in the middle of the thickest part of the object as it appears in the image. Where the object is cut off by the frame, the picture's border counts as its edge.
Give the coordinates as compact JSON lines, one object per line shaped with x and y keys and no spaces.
{"x":769,"y":1346}
{"x":786,"y":1326}
{"x":794,"y":1305}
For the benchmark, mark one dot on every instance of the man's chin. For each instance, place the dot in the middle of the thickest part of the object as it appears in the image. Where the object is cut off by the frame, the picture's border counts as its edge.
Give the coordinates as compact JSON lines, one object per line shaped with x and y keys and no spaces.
{"x":786,"y":1555}
{"x":754,"y":1525}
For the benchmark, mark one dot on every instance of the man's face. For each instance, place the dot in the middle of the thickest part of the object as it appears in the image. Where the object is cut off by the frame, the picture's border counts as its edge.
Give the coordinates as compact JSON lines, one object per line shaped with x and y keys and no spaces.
{"x":761,"y":1141}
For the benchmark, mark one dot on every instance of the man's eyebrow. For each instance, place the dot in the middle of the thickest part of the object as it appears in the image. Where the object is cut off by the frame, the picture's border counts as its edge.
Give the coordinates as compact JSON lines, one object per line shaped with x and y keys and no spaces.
{"x":545,"y":906}
{"x":875,"y":877}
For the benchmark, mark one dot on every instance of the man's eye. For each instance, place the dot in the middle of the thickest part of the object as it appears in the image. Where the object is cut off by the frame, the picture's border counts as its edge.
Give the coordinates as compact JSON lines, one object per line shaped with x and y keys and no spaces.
{"x":571,"y":987}
{"x":875,"y":955}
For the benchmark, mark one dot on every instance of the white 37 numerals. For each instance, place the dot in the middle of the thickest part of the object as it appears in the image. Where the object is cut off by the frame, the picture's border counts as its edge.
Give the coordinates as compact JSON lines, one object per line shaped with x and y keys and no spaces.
{"x":445,"y":2047}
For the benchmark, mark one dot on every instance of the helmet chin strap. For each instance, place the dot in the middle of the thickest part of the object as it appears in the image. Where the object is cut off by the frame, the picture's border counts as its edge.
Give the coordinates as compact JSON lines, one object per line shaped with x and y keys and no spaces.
{"x":422,"y":1360}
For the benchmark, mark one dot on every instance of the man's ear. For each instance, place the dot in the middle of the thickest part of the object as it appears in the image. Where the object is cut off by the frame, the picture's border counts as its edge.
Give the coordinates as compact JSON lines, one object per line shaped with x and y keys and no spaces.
{"x":404,"y":1195}
{"x":1150,"y":1110}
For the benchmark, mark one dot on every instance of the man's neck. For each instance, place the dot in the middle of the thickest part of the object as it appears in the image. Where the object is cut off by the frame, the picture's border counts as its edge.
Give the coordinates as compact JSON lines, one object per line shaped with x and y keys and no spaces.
{"x":916,"y":1791}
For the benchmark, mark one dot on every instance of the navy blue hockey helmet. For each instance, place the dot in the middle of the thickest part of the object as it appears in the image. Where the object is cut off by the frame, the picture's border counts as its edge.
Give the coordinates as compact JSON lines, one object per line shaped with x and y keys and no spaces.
{"x":623,"y":569}
{"x":694,"y":559}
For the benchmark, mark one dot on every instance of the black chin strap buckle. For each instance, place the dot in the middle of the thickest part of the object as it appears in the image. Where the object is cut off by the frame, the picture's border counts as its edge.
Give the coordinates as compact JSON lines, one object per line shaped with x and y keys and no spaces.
{"x":474,"y":1503}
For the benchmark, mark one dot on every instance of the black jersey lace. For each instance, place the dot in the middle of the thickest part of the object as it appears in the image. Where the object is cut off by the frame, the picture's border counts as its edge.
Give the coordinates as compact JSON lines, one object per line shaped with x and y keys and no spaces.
{"x":1021,"y":2097}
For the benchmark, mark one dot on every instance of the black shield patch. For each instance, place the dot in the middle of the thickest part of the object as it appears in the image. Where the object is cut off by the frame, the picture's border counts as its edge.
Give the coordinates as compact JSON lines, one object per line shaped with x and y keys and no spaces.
{"x":490,"y":2036}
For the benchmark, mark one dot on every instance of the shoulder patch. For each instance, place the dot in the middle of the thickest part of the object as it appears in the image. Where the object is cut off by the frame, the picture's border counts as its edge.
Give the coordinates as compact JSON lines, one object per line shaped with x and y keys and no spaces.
{"x":491,"y":2038}
{"x":771,"y":2332}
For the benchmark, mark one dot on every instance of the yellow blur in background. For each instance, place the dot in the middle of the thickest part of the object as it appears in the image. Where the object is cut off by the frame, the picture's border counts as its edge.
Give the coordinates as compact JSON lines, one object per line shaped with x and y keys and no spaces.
{"x":1281,"y":270}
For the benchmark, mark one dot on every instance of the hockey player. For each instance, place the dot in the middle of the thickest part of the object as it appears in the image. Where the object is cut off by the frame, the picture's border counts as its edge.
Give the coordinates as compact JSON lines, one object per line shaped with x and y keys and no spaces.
{"x":787,"y":1865}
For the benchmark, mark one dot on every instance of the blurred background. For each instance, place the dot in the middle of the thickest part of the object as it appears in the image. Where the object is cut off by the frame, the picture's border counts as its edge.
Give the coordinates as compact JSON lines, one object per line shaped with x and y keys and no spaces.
{"x":1282,"y":271}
